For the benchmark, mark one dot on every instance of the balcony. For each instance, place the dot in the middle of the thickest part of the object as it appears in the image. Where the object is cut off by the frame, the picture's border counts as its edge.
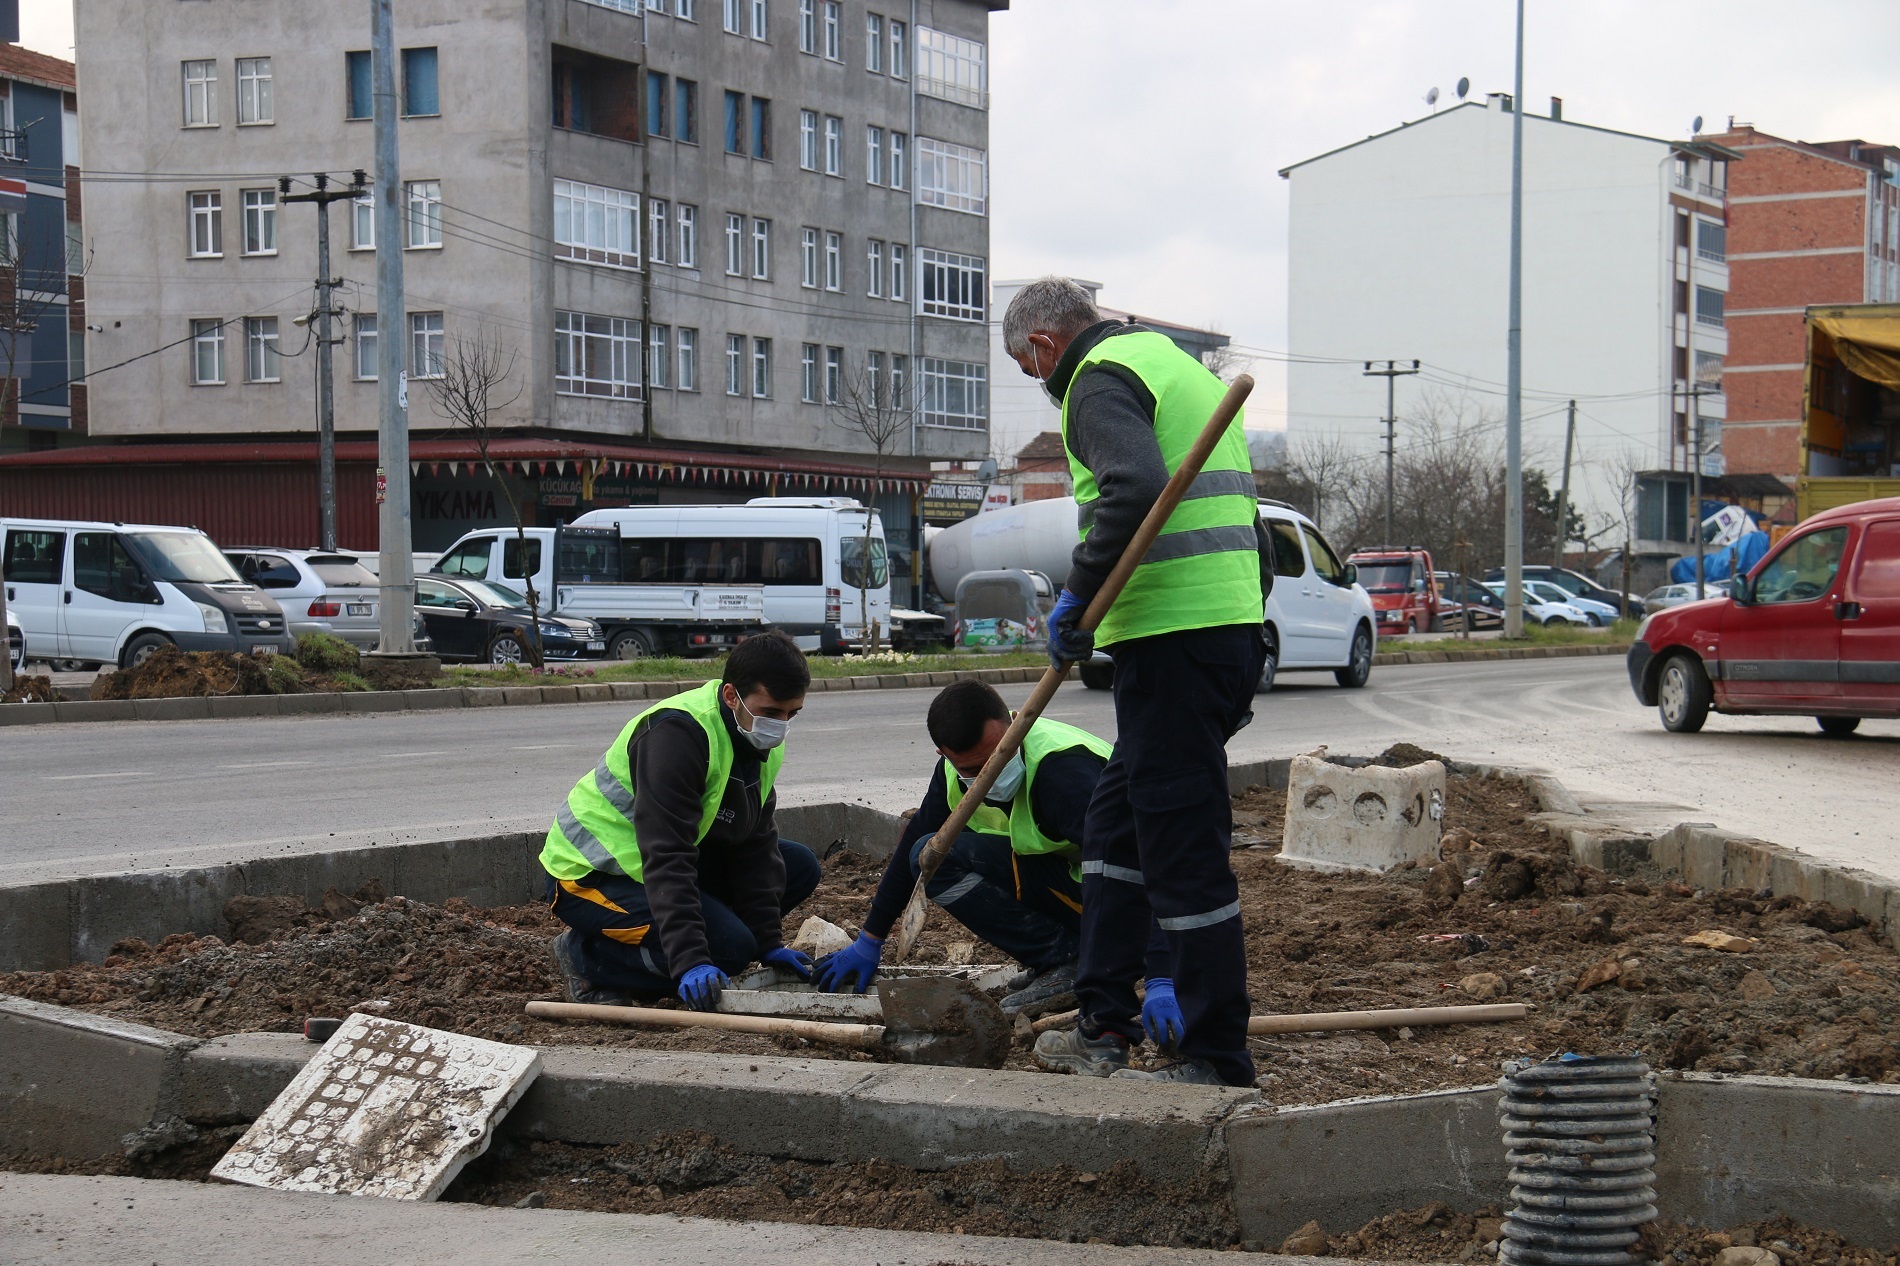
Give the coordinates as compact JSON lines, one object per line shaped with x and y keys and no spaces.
{"x":1700,"y":188}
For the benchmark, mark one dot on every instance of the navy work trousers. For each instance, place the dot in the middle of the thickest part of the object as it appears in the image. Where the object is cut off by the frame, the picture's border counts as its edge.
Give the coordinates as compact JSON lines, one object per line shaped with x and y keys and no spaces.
{"x":620,"y":949}
{"x":1159,"y":829}
{"x":1027,"y":905}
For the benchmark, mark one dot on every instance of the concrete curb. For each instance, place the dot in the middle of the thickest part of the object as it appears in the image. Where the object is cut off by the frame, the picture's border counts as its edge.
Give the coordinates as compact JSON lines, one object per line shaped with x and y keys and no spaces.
{"x":1480,"y":655}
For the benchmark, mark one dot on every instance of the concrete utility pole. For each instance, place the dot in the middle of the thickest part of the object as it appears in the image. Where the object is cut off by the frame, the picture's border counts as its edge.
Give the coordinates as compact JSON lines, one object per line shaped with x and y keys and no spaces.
{"x":1514,"y":370}
{"x":396,"y":611}
{"x":322,"y":197}
{"x":1695,"y":482}
{"x":1563,"y":489}
{"x":1389,"y":373}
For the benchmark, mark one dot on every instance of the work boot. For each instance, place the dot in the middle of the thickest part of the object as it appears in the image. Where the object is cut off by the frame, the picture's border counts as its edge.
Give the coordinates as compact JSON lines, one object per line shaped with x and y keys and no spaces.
{"x":1069,"y":1051}
{"x":579,"y":988}
{"x":1051,"y":989}
{"x":1187,"y":1072}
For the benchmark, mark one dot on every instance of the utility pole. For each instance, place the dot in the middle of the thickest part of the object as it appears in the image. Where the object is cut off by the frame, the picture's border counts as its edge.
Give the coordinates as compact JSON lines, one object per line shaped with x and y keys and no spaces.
{"x":1389,"y":373}
{"x":1514,"y":371}
{"x":1563,"y":489}
{"x":322,"y":197}
{"x":1695,"y":484}
{"x":396,"y":611}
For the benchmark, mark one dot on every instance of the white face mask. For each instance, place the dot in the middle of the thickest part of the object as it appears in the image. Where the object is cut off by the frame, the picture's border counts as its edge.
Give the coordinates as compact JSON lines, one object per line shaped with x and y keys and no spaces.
{"x":765,"y":733}
{"x":1007,"y":783}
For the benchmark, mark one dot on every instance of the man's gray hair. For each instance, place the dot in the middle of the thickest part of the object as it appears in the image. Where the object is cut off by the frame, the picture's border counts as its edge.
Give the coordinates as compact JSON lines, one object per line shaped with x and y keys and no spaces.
{"x":1053,"y":305}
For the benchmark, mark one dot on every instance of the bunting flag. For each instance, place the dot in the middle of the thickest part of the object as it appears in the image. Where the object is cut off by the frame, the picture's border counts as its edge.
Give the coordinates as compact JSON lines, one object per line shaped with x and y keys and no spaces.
{"x":415,"y":468}
{"x":561,"y":466}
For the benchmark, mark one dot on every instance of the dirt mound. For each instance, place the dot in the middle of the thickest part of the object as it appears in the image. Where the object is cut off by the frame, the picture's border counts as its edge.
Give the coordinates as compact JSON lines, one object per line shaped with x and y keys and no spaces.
{"x":31,"y":690}
{"x":258,"y":920}
{"x":170,"y":673}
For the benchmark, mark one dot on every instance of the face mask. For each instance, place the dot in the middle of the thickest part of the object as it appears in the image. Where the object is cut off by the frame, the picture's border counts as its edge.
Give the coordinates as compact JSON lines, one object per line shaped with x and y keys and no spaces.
{"x":1054,"y":397}
{"x":1007,"y":783}
{"x":766,"y":732}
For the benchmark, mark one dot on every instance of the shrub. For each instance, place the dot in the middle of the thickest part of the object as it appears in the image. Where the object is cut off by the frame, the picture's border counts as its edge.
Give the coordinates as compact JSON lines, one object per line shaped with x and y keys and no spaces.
{"x":348,"y":681}
{"x":322,"y":653}
{"x":283,"y":675}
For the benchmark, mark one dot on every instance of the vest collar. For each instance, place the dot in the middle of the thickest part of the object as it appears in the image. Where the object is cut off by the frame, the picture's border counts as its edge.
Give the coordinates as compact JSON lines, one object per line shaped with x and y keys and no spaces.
{"x":1081,"y":346}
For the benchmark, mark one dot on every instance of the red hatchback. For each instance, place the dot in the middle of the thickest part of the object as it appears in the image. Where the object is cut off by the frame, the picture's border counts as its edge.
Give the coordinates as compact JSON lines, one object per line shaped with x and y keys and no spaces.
{"x":1813,"y":631}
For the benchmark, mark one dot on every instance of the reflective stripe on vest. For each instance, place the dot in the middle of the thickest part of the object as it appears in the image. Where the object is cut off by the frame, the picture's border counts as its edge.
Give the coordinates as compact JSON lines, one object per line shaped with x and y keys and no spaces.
{"x":1046,"y":738}
{"x":594,"y":829}
{"x":1204,"y":569}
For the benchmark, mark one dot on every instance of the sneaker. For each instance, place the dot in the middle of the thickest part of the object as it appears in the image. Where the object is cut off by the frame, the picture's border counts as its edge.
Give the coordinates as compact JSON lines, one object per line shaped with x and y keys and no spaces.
{"x":1068,"y":1051}
{"x":1187,"y":1072}
{"x":1051,"y":989}
{"x":579,"y":988}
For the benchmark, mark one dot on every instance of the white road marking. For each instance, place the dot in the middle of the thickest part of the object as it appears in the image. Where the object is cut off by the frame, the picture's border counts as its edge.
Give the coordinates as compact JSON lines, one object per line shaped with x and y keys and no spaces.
{"x":400,"y":755}
{"x":126,"y":773}
{"x":540,"y":747}
{"x":268,"y":764}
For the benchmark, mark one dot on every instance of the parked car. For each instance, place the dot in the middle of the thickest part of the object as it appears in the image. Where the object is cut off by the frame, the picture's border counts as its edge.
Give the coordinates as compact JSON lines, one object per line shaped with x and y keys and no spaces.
{"x":477,"y":620}
{"x":1463,"y":602}
{"x":1577,"y":585}
{"x":16,"y":644}
{"x":319,"y":592}
{"x":1813,"y":630}
{"x":1663,"y":597}
{"x":1598,"y":613}
{"x":1542,"y":611}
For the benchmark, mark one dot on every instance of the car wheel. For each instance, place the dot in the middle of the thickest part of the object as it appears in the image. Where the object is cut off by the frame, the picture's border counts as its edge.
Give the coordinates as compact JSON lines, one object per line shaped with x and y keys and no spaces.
{"x":70,"y":665}
{"x":1270,"y":669}
{"x":1097,"y":676}
{"x":507,"y":647}
{"x":632,"y":644}
{"x":1683,"y":694}
{"x":1596,"y":621}
{"x":1411,"y":627}
{"x":1838,"y":727}
{"x":1358,"y":668}
{"x":142,"y":648}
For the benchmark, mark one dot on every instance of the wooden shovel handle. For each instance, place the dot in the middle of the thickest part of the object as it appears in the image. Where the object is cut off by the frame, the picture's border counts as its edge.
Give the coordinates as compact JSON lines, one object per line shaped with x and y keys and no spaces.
{"x":1336,"y":1021}
{"x":862,"y":1037}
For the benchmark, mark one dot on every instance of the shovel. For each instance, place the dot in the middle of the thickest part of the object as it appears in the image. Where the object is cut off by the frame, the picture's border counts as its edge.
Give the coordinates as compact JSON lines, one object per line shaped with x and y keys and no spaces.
{"x":926,"y":1021}
{"x":911,"y":925}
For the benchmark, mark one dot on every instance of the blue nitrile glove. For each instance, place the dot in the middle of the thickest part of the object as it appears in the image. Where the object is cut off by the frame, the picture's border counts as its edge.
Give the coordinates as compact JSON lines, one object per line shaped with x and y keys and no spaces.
{"x":1068,"y":644}
{"x":1161,"y":1015}
{"x":855,"y":965}
{"x":789,"y":958}
{"x":700,"y":986}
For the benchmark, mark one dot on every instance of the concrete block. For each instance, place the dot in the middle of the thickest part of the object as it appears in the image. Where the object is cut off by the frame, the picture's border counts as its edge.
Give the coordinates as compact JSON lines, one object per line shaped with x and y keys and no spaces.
{"x":627,"y":691}
{"x":1857,"y":890}
{"x":1551,"y":795}
{"x":308,"y":705}
{"x":1704,"y":851}
{"x":1362,"y":819}
{"x":840,"y":683}
{"x":372,"y":701}
{"x":863,"y":683}
{"x":942,"y":679}
{"x":483,"y":697}
{"x":517,"y":696}
{"x":195,"y":709}
{"x":594,"y":692}
{"x":431,"y":700}
{"x":228,"y":1080}
{"x":893,"y":681}
{"x":150,"y":905}
{"x":76,"y":1085}
{"x":560,"y":694}
{"x":36,"y":927}
{"x":28,"y":713}
{"x":99,"y":710}
{"x":488,"y":870}
{"x":244,"y":706}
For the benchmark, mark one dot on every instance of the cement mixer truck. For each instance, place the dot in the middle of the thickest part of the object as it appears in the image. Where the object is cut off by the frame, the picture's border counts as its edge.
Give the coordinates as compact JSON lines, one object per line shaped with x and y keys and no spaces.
{"x":1036,"y":536}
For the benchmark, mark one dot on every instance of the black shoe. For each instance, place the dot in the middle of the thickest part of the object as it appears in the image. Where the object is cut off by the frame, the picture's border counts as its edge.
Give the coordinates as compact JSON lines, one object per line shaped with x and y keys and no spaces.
{"x":1051,"y":989}
{"x":579,"y":988}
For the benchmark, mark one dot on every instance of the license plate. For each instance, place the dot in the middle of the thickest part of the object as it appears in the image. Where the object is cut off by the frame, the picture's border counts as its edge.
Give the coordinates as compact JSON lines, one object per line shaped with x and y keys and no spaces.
{"x":361,"y":608}
{"x":263,"y":650}
{"x":597,"y":646}
{"x":731,"y":600}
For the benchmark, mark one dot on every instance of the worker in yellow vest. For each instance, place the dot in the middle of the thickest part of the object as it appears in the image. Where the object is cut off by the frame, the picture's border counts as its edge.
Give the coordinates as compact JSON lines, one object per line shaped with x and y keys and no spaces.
{"x":665,"y":861}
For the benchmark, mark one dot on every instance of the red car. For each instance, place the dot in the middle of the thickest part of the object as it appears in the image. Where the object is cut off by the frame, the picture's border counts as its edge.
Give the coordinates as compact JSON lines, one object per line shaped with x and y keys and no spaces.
{"x":1403,"y":588}
{"x":1814,"y":630}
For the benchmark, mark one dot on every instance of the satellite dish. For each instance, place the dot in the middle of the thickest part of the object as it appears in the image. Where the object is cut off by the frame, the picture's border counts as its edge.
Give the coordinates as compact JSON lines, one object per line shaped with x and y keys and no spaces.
{"x":1431,"y":97}
{"x":1695,"y":129}
{"x":1464,"y":86}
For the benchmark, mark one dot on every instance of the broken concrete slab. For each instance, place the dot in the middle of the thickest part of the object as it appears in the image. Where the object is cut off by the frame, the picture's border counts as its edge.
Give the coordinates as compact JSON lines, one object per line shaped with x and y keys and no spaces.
{"x":84,"y":1086}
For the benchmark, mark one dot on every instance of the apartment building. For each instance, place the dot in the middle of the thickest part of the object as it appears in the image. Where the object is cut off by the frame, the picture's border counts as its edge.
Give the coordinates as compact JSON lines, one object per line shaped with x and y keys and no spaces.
{"x":42,"y":259}
{"x":700,"y":229}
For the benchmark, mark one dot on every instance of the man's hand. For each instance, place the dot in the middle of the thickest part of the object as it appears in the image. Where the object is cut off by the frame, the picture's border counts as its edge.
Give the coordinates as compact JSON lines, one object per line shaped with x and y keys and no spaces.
{"x":700,"y":986}
{"x":1068,"y":644}
{"x":855,"y":965}
{"x":791,"y":959}
{"x":1161,"y":1017}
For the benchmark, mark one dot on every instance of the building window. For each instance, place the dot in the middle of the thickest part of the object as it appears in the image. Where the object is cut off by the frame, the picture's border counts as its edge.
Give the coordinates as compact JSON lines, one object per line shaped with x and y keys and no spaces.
{"x":834,"y":261}
{"x":834,"y":145}
{"x":955,"y":394}
{"x":657,"y":211}
{"x":596,"y":225}
{"x":1711,"y":241}
{"x":1708,"y":370}
{"x":833,"y":30}
{"x":899,"y":50}
{"x":631,"y":6}
{"x":808,"y":259}
{"x":732,"y":13}
{"x":361,"y":86}
{"x":207,"y":353}
{"x":874,"y":254}
{"x":834,"y":375}
{"x":900,"y":272}
{"x":685,"y":9}
{"x":953,"y":285}
{"x":419,"y":89}
{"x":874,"y":155}
{"x":735,"y":246}
{"x":761,"y":128}
{"x":366,"y":353}
{"x":260,"y":349}
{"x":874,"y":378}
{"x":735,"y":364}
{"x":686,"y":111}
{"x":596,"y":356}
{"x":688,"y":219}
{"x":808,"y":139}
{"x":656,"y":106}
{"x":808,"y":373}
{"x":900,"y":160}
{"x":954,"y":177}
{"x":659,"y":354}
{"x":1708,"y":306}
{"x":201,"y":94}
{"x":735,"y":122}
{"x":873,"y":43}
{"x":254,"y":102}
{"x":426,"y":347}
{"x":761,"y":250}
{"x":260,"y":221}
{"x":808,"y":26}
{"x":762,"y":368}
{"x":900,"y":381}
{"x":759,"y":24}
{"x":424,"y":201}
{"x":951,"y":68}
{"x":689,"y":359}
{"x":363,"y":223}
{"x":207,"y":223}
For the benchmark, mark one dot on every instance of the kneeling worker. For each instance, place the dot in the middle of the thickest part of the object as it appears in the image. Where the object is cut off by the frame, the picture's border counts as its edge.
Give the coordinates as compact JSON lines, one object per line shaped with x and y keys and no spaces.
{"x":1014,"y":877}
{"x":665,"y":862}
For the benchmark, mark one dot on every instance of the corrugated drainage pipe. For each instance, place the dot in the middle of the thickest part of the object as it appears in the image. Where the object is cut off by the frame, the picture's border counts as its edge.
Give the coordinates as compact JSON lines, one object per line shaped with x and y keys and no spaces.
{"x":1580,"y":1134}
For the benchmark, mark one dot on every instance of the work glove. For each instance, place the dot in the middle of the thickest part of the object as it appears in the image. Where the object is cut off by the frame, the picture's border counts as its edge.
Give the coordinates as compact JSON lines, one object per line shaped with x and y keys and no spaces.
{"x":701,"y":985}
{"x":1161,"y":1017}
{"x":1068,"y":644}
{"x":792,"y":959}
{"x":855,"y":965}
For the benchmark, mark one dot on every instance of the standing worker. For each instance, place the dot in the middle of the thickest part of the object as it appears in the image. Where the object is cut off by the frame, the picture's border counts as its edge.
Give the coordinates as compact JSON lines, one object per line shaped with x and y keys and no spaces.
{"x":672,"y":839}
{"x":1186,"y":639}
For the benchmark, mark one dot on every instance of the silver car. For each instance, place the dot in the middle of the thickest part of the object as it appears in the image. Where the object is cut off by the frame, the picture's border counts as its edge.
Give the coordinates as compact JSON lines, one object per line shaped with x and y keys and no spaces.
{"x":1667,"y":596}
{"x":319,"y":592}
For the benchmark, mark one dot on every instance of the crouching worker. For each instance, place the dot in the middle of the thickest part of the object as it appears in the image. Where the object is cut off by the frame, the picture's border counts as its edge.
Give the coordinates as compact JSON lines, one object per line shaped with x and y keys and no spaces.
{"x":665,"y":862}
{"x":1014,"y":877}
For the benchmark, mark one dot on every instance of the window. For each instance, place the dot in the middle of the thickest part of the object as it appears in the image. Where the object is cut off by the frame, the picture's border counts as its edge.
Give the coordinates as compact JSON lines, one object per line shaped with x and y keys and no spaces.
{"x":511,"y":559}
{"x":35,"y":558}
{"x":874,"y":256}
{"x":100,"y":565}
{"x":834,"y":375}
{"x":596,"y":356}
{"x":759,"y":24}
{"x":833,"y":30}
{"x":874,"y":155}
{"x":834,"y":145}
{"x":686,"y":111}
{"x":762,"y":368}
{"x":424,"y":201}
{"x":900,"y":381}
{"x":1708,"y":370}
{"x":955,"y":394}
{"x":419,"y":94}
{"x":656,"y":106}
{"x":1326,"y":564}
{"x":874,"y":378}
{"x":366,"y":353}
{"x":761,"y":249}
{"x":808,"y":139}
{"x":808,"y":26}
{"x":899,"y":49}
{"x":201,"y":94}
{"x":1708,"y":306}
{"x":733,"y":11}
{"x":808,"y":373}
{"x":363,"y":223}
{"x":596,"y":225}
{"x":659,"y":354}
{"x":735,"y":122}
{"x":1804,"y":570}
{"x":900,"y":154}
{"x":735,"y":364}
{"x":688,"y":218}
{"x":873,"y":43}
{"x":254,"y":103}
{"x":954,"y":177}
{"x":260,"y":349}
{"x":834,"y":261}
{"x":260,"y":221}
{"x":900,"y":272}
{"x":808,"y":259}
{"x":689,"y":359}
{"x":362,"y":90}
{"x":657,"y":212}
{"x":1682,"y":229}
{"x":951,"y":68}
{"x":736,"y":560}
{"x":207,"y":223}
{"x":207,"y":353}
{"x":685,"y":9}
{"x":1682,"y":297}
{"x":761,"y":128}
{"x":426,"y":348}
{"x":953,"y":285}
{"x":630,"y":6}
{"x":1711,"y":241}
{"x":735,"y":246}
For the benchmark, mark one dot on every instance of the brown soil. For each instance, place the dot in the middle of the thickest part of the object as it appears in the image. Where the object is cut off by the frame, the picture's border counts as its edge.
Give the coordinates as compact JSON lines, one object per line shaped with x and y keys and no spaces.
{"x":1508,"y":916}
{"x":31,"y":690}
{"x":174,"y":674}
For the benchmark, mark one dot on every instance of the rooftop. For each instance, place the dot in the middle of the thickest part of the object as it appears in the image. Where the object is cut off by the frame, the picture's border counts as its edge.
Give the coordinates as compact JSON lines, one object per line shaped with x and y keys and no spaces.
{"x":24,"y":63}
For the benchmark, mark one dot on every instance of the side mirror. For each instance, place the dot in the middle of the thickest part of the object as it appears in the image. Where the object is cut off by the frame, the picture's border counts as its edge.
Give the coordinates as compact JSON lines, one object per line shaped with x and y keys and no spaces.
{"x":1351,"y":577}
{"x":1743,"y":591}
{"x":464,"y":604}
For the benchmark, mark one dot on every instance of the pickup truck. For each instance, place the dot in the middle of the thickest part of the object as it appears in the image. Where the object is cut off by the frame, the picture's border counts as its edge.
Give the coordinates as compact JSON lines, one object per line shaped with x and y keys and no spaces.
{"x":639,"y":618}
{"x":1403,"y":588}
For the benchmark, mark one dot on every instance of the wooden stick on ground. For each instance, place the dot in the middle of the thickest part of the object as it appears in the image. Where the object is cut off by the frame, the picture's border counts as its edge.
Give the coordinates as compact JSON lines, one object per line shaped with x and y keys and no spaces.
{"x":862,"y":1037}
{"x":1338,"y":1021}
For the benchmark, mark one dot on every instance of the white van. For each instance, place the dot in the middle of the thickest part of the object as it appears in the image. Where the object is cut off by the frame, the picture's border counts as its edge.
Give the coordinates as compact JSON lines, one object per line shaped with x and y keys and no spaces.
{"x":112,"y":593}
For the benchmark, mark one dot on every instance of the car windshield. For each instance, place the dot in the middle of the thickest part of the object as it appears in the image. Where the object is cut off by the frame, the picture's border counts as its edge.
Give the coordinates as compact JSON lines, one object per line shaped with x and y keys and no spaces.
{"x":187,"y":556}
{"x":492,"y":595}
{"x":1384,"y":577}
{"x":852,"y":567}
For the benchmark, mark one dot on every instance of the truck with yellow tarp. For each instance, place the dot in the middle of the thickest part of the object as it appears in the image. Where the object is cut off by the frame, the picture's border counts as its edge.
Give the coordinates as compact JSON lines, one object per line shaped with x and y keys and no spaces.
{"x":1850,"y":407}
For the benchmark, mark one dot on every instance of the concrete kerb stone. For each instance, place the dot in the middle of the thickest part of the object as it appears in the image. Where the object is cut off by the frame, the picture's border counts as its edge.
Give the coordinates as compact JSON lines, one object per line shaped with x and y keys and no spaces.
{"x":244,"y":706}
{"x":372,"y":701}
{"x":195,"y":709}
{"x":435,"y":700}
{"x":84,"y":1086}
{"x":309,"y":705}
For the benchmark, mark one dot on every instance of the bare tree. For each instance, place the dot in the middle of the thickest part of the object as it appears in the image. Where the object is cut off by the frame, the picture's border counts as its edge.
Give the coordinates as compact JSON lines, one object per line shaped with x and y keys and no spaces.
{"x":1226,"y":362}
{"x":467,"y":393}
{"x":868,"y":405}
{"x":1622,"y":471}
{"x":1322,"y":474}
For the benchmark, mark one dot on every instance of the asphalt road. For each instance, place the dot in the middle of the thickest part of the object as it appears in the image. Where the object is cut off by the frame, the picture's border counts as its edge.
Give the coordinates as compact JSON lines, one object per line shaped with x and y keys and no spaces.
{"x":91,"y":798}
